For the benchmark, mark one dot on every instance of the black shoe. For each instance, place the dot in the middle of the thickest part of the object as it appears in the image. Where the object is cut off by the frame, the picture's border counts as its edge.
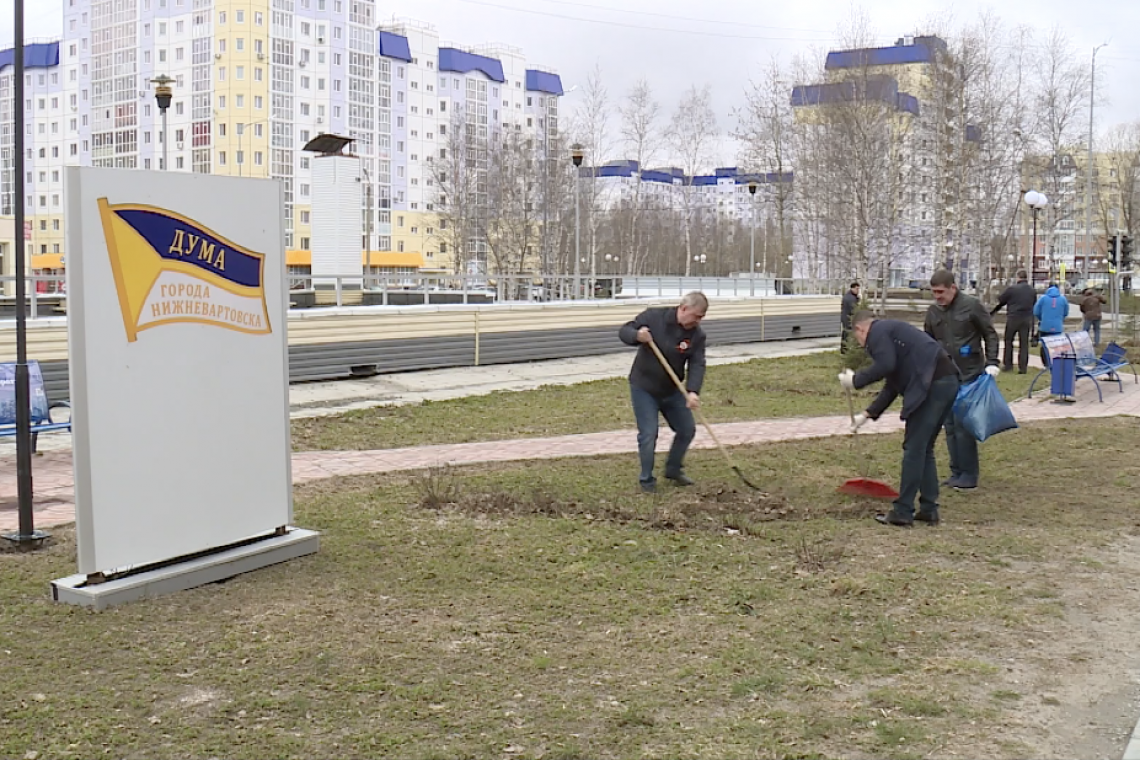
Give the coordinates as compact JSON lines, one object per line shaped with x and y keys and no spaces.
{"x":950,"y":482}
{"x":891,"y":519}
{"x":961,"y":484}
{"x":650,"y":487}
{"x":930,"y":518}
{"x":680,"y":479}
{"x":1021,"y":371}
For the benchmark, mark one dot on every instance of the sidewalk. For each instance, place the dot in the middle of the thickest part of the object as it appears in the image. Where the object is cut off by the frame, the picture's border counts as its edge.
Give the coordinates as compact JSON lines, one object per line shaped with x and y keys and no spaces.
{"x":54,"y":486}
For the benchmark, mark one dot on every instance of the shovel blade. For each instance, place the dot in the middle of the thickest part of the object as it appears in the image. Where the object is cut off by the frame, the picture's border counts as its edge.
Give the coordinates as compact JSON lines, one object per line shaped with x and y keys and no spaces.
{"x":876,"y":489}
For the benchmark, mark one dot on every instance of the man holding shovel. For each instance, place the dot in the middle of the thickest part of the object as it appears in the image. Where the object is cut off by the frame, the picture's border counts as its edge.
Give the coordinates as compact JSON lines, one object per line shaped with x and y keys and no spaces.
{"x":678,"y":335}
{"x":917,"y":366}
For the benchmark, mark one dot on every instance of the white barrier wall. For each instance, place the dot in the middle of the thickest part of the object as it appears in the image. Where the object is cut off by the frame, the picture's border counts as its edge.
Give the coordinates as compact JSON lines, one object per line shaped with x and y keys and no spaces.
{"x":179,"y":363}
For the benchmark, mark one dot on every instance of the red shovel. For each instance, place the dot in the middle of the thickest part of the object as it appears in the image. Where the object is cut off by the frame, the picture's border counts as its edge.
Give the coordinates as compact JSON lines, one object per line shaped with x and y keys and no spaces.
{"x":875,"y":489}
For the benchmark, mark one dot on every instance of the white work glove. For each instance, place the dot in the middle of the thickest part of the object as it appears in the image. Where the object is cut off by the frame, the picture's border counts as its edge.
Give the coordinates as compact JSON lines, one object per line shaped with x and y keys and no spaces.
{"x":847,"y":379}
{"x":992,"y":371}
{"x":858,"y":422}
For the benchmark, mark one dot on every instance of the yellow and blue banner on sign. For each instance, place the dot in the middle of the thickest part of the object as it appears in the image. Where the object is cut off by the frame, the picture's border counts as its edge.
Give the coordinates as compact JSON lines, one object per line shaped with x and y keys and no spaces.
{"x":170,"y":269}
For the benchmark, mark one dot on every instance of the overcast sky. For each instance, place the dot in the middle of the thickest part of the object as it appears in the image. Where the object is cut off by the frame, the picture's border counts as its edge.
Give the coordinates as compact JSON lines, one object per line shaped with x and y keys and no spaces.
{"x":724,"y":43}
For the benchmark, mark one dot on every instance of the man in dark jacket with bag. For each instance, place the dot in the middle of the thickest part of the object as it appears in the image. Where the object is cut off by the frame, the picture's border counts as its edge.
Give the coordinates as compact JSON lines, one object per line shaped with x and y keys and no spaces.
{"x":1018,"y":301}
{"x":961,"y":324}
{"x":915,"y":365}
{"x":677,"y":332}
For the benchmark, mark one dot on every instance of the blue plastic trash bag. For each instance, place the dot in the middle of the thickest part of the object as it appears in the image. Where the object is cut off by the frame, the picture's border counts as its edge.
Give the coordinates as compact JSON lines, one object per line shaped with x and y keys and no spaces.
{"x":982,"y":410}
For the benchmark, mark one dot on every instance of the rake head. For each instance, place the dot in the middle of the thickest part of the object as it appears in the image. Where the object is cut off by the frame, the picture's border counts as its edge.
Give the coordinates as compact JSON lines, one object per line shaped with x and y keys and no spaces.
{"x":876,"y":489}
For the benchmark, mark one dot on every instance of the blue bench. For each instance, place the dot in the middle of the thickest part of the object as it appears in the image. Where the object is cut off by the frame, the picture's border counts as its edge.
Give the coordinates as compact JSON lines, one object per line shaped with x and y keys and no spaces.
{"x":41,"y":408}
{"x":1079,"y":347}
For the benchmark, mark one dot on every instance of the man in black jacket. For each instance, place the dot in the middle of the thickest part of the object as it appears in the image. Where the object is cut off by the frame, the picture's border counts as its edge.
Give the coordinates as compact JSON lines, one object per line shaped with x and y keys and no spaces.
{"x":1018,"y":301}
{"x":915,"y":365}
{"x":678,"y":334}
{"x":847,"y":309}
{"x":961,"y":324}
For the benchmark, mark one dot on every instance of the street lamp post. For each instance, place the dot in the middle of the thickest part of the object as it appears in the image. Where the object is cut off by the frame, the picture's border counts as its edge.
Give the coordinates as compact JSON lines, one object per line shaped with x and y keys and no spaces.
{"x":26,"y":535}
{"x":752,"y":240}
{"x":1036,"y":201}
{"x":162,"y":95}
{"x":576,"y":155}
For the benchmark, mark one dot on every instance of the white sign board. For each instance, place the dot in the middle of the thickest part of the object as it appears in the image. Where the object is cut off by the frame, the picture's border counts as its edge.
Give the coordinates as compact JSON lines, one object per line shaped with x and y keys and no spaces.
{"x":179,"y":363}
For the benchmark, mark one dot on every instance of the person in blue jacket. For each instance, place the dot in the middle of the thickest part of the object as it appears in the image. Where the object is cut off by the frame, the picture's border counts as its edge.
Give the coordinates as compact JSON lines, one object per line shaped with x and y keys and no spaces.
{"x":1050,"y":312}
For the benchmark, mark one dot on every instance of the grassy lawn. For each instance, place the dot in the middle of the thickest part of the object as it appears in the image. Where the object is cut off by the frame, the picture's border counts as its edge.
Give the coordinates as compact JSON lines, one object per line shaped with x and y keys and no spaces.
{"x":546,"y":610}
{"x":785,"y":387}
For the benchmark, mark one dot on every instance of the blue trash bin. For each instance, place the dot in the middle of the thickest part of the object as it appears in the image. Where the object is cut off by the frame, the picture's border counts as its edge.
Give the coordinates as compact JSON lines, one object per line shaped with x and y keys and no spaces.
{"x":1064,"y":376}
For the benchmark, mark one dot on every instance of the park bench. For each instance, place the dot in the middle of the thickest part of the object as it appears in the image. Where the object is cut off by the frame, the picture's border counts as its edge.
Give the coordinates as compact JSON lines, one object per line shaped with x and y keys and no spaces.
{"x":1078,"y":346}
{"x":41,"y":407}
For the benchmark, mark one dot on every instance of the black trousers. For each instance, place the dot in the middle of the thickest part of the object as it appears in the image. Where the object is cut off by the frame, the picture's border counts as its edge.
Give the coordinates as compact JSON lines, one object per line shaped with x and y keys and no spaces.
{"x":1018,"y":327}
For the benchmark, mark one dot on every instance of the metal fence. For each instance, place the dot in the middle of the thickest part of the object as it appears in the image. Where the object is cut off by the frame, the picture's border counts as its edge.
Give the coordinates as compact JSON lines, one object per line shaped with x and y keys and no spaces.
{"x":47,"y":296}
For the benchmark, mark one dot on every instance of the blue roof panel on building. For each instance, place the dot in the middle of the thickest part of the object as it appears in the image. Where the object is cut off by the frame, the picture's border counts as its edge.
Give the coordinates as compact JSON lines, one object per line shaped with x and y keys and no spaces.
{"x":392,"y":45}
{"x":726,"y":171}
{"x":453,"y":59}
{"x":882,"y":89}
{"x":921,"y":51}
{"x":703,"y":181}
{"x":543,"y":81}
{"x":41,"y":55}
{"x":657,"y":176}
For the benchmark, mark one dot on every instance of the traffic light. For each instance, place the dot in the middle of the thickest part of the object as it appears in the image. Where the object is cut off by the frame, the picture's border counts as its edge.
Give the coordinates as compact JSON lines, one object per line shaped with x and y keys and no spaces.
{"x":1112,"y":243}
{"x":1126,"y":252}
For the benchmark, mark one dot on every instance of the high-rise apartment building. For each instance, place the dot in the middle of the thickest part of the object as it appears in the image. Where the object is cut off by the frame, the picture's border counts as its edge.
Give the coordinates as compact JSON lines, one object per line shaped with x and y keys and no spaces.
{"x":253,"y":82}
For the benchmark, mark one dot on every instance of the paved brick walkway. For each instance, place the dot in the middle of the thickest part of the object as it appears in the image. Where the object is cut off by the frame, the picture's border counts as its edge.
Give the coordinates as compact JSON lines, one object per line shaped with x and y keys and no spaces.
{"x":54,"y":487}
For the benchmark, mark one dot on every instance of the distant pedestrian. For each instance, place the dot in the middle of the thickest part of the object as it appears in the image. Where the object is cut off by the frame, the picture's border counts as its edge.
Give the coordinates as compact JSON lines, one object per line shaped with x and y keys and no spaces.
{"x":846,"y":310}
{"x":1090,"y":308}
{"x":1018,"y":301}
{"x":912,"y":364}
{"x":677,"y":333}
{"x":961,"y":324}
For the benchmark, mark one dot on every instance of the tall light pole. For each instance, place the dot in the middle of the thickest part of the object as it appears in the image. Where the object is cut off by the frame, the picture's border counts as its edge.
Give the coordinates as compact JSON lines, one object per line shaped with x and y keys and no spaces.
{"x":1089,"y":168}
{"x":576,"y":155}
{"x":752,"y":239}
{"x":26,"y":534}
{"x":1036,"y":201}
{"x":162,"y":95}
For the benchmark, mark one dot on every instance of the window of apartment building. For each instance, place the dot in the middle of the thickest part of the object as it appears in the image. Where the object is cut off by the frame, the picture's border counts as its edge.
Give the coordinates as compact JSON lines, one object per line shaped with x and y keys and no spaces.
{"x":74,"y":150}
{"x":304,"y":244}
{"x":221,"y":73}
{"x":400,"y":171}
{"x":320,"y":56}
{"x":221,"y":158}
{"x":162,"y":56}
{"x":258,"y":46}
{"x":400,"y":149}
{"x":239,"y":43}
{"x":304,"y":83}
{"x":400,"y":96}
{"x":306,"y":29}
{"x":415,"y":109}
{"x":399,"y":221}
{"x":414,"y":84}
{"x":259,"y":18}
{"x":179,"y":26}
{"x":178,"y":109}
{"x":443,"y":129}
{"x":179,"y":163}
{"x":239,"y":72}
{"x":304,"y":109}
{"x":43,"y":225}
{"x":529,"y":122}
{"x":221,"y":46}
{"x":399,"y":121}
{"x":257,"y":74}
{"x":336,"y":112}
{"x":146,"y":30}
{"x":42,"y":103}
{"x":304,"y":135}
{"x":161,"y":28}
{"x":506,"y":103}
{"x":304,"y":190}
{"x":336,"y":85}
{"x":71,"y":76}
{"x":55,"y":152}
{"x":239,"y":16}
{"x":320,"y":84}
{"x":304,"y":217}
{"x":178,"y":54}
{"x":415,"y":230}
{"x":258,"y":102}
{"x":304,"y":162}
{"x":221,"y":101}
{"x":400,"y":246}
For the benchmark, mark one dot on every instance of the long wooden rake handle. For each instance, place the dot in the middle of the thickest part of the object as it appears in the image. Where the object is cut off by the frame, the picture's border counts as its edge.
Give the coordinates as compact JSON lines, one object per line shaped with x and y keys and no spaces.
{"x":684,"y":392}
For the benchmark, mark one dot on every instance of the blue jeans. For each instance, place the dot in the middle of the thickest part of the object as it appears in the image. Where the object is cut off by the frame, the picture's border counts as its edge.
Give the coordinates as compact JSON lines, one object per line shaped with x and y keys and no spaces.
{"x":646,"y":407}
{"x":919,"y":470}
{"x":963,"y":448}
{"x":1094,"y":324}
